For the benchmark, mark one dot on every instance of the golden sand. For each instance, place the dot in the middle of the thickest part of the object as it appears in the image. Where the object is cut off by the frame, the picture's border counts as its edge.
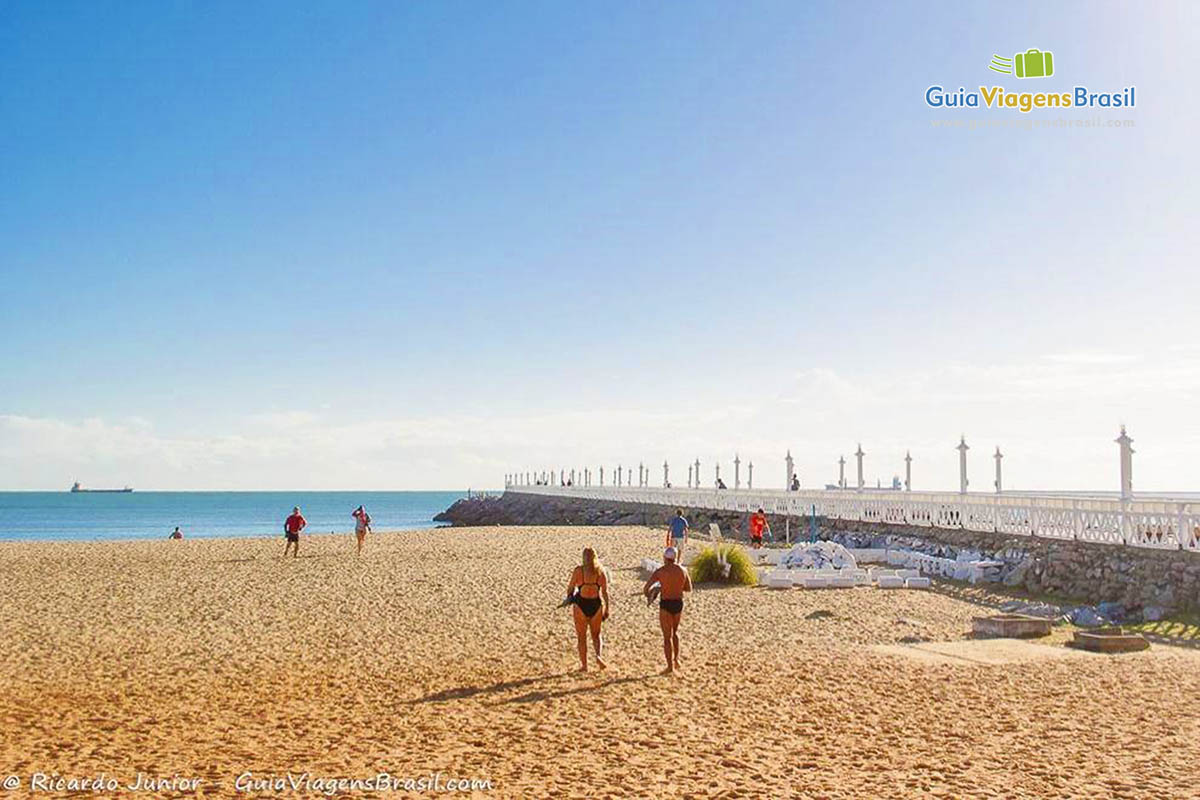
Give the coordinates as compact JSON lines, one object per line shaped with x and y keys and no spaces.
{"x":442,"y":651}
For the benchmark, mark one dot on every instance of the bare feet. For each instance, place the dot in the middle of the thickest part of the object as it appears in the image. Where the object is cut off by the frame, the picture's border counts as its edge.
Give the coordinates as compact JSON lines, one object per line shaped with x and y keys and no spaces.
{"x":600,"y":663}
{"x":667,"y":671}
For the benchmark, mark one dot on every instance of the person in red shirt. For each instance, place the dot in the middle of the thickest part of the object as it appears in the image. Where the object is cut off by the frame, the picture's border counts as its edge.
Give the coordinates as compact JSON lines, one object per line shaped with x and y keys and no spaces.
{"x":291,"y":529}
{"x":758,"y":524}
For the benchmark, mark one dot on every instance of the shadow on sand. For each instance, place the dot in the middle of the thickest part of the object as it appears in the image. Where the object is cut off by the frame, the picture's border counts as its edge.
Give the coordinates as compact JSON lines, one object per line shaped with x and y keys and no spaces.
{"x":463,"y":692}
{"x":539,"y":696}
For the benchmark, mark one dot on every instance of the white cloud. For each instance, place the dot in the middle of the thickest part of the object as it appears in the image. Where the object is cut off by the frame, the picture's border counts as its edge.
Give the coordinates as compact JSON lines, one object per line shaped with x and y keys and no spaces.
{"x":1054,"y":419}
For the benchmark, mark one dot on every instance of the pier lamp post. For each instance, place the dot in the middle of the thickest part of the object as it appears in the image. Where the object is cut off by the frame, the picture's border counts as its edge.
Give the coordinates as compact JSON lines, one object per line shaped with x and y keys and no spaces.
{"x":737,"y":471}
{"x":697,"y":473}
{"x":999,"y":481}
{"x":643,"y":478}
{"x":1127,"y":451}
{"x":859,"y":454}
{"x":750,"y":475}
{"x":602,"y":476}
{"x":908,"y":471}
{"x":841,"y":472}
{"x":717,"y":481}
{"x":962,"y":449}
{"x":689,"y":476}
{"x":791,"y":470}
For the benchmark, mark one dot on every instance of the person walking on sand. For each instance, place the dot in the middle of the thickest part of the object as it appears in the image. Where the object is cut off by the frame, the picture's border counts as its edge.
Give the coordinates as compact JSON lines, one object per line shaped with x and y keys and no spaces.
{"x":673,"y":581}
{"x":588,"y":593}
{"x":176,"y":534}
{"x":291,"y":529}
{"x":362,"y":526}
{"x":758,"y":524}
{"x":677,"y":531}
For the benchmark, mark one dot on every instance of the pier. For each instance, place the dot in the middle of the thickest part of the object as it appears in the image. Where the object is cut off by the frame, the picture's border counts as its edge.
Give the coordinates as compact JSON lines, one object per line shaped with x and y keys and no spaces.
{"x":1161,"y":522}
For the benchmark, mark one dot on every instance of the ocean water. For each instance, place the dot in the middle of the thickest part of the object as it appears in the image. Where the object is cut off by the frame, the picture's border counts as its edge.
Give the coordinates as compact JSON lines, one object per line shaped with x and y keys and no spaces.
{"x":151,"y":515}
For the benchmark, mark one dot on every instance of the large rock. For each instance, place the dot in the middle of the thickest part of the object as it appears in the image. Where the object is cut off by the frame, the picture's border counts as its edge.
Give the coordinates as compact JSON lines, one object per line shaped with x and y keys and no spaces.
{"x":818,"y":555}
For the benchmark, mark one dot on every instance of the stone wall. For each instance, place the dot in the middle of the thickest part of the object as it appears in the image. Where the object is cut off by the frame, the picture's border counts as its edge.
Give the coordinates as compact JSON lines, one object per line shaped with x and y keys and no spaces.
{"x":1080,"y":571}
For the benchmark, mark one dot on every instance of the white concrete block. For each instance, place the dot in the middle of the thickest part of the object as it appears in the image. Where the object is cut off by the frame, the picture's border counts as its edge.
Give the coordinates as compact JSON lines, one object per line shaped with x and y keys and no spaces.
{"x":815,"y":582}
{"x":890,"y":582}
{"x":778,"y":579}
{"x":916,"y":583}
{"x":908,"y":573}
{"x":843,"y":582}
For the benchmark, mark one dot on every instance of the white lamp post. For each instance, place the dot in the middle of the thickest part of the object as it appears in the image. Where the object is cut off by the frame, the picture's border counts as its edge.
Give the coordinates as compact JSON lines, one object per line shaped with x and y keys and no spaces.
{"x":999,"y":480}
{"x":750,"y":475}
{"x":907,"y":471}
{"x":860,"y":455}
{"x":737,"y":471}
{"x":841,"y":472}
{"x":1127,"y":451}
{"x":962,"y":449}
{"x":666,"y":475}
{"x":787,"y":485}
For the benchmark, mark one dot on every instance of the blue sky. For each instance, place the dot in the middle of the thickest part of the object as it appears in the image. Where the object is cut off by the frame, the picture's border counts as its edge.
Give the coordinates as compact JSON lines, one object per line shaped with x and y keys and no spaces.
{"x":391,"y":245}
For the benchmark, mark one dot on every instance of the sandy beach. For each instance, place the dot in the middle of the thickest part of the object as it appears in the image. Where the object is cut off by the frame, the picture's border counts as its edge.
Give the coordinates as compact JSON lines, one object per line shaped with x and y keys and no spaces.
{"x":441,"y":652}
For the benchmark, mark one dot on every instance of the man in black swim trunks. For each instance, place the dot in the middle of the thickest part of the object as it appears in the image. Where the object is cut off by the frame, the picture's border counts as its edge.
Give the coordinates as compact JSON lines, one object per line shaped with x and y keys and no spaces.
{"x":673,"y":581}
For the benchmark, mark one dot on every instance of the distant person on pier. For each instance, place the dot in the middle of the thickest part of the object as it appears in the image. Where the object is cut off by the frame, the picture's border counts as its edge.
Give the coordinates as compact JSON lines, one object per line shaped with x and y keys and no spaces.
{"x":758,"y":524}
{"x":795,"y":487}
{"x":291,"y":530}
{"x":176,"y":534}
{"x":677,"y":531}
{"x":587,"y":591}
{"x":672,"y":581}
{"x":362,"y":526}
{"x":721,"y":484}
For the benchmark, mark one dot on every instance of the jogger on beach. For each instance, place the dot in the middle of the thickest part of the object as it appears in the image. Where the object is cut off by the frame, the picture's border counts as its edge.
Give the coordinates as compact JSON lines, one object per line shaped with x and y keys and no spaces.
{"x":291,"y":529}
{"x":673,"y":581}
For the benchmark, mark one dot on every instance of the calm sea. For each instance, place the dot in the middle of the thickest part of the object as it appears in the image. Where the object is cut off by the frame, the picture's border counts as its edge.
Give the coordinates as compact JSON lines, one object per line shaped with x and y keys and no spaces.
{"x":150,"y":515}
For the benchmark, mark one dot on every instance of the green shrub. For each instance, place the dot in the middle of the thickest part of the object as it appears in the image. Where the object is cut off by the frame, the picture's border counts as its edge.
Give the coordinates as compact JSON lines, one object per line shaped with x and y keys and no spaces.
{"x":706,"y":568}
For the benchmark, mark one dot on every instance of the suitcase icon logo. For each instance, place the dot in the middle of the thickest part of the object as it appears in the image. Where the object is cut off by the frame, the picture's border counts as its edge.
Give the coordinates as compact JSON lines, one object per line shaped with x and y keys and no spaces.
{"x":1033,"y":63}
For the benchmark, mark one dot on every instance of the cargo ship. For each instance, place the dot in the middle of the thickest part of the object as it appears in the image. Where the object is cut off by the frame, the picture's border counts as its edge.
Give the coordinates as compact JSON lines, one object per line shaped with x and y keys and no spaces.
{"x":76,"y":488}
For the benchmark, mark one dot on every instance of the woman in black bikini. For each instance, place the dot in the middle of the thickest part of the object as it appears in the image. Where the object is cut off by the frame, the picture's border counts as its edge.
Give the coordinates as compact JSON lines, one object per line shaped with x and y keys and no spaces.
{"x":588,"y":593}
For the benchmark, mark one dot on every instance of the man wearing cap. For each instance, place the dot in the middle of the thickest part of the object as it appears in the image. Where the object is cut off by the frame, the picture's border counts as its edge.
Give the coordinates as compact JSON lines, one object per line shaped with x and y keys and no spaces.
{"x":291,"y":529}
{"x":673,"y":581}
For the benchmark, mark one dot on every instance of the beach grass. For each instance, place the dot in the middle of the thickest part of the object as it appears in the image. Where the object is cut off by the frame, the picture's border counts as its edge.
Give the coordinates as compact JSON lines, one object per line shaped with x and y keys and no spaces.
{"x":708,"y":566}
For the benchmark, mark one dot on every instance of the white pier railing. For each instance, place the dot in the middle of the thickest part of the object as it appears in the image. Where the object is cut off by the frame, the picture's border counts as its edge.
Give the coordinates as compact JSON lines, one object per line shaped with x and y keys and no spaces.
{"x":1155,"y":523}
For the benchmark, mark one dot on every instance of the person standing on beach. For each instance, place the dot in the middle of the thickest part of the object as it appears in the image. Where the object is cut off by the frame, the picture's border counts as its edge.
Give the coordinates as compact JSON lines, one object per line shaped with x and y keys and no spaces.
{"x":291,"y":529}
{"x":362,"y":526}
{"x":758,"y":524}
{"x":176,"y":534}
{"x":588,"y":592}
{"x":677,"y":531}
{"x":673,"y":581}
